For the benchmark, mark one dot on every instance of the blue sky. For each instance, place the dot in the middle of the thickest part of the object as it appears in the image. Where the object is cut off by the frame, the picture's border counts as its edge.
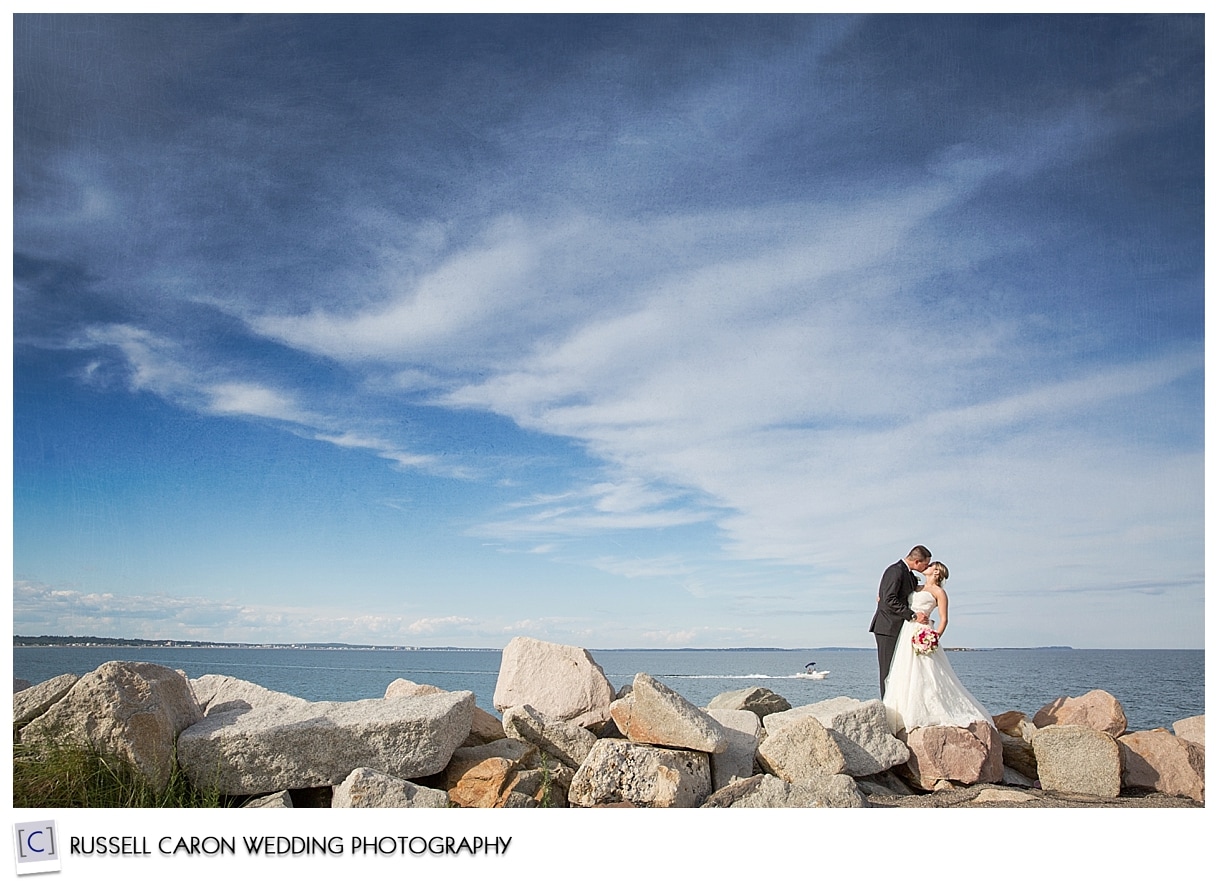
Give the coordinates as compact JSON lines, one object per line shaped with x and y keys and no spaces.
{"x":614,"y":331}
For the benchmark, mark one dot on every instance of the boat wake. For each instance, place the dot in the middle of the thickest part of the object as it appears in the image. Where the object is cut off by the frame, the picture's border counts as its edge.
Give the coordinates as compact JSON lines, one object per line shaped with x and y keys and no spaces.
{"x":800,"y":676}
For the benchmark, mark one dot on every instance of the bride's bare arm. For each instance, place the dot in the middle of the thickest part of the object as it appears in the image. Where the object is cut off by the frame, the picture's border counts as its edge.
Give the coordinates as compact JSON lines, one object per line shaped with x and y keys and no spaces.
{"x":941,"y":600}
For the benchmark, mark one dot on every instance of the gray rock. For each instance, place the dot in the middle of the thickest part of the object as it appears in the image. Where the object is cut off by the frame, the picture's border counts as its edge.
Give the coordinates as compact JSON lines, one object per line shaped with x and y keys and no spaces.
{"x":801,"y":749}
{"x":619,"y":771}
{"x":1078,"y":759}
{"x":34,"y":701}
{"x":368,"y":788}
{"x":1014,"y":778}
{"x":743,"y":729}
{"x":757,"y":699}
{"x":768,"y":791}
{"x":568,"y":743}
{"x":654,"y":714}
{"x":281,"y":799}
{"x":563,"y":682}
{"x":887,"y":783}
{"x":245,"y":750}
{"x":131,"y":710}
{"x":860,"y":729}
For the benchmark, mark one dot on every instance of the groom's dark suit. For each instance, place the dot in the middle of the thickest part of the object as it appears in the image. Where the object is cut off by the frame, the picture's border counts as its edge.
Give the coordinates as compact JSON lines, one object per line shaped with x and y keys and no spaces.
{"x":891,"y":612}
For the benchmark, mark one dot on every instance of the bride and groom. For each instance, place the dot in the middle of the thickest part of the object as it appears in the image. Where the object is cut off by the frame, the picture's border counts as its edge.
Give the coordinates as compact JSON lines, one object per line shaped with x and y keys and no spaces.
{"x":917,"y":683}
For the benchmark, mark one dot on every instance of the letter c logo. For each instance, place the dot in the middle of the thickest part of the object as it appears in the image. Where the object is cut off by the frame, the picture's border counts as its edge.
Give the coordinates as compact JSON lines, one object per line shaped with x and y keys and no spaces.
{"x":29,"y":842}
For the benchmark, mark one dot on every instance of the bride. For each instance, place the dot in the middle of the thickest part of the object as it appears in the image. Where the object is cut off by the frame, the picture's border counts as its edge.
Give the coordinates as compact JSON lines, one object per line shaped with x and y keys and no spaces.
{"x":922,"y":689}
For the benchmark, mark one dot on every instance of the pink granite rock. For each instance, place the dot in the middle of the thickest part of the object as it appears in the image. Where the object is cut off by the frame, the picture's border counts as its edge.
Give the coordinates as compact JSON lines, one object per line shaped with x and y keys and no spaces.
{"x":953,"y":753}
{"x":1096,"y":709}
{"x":1191,"y":729}
{"x":1164,"y":762}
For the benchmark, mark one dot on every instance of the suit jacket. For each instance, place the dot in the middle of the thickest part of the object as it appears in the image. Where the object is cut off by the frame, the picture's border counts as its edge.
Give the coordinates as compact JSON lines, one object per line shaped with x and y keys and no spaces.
{"x":893,"y":610}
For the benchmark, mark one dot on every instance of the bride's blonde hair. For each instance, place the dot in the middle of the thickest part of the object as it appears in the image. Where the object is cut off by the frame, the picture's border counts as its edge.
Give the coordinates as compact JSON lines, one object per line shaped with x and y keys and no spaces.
{"x":942,"y":569}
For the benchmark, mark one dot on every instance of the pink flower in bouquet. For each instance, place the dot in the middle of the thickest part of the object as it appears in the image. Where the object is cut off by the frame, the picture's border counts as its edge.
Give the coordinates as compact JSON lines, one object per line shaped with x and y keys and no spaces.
{"x":925,"y":641}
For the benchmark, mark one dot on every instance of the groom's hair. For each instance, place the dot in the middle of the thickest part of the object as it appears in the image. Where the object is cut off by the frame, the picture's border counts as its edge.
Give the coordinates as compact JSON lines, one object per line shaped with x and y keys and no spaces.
{"x":919,"y":552}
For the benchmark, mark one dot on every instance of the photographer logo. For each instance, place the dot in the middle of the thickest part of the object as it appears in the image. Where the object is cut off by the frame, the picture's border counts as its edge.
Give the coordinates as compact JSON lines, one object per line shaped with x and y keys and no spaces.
{"x":37,"y":847}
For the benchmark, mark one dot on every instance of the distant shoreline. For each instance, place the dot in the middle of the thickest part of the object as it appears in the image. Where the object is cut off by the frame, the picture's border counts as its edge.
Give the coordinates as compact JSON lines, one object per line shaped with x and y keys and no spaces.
{"x":48,"y":642}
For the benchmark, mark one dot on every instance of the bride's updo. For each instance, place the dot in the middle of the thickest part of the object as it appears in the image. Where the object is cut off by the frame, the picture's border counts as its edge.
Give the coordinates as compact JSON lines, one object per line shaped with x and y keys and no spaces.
{"x":942,"y":569}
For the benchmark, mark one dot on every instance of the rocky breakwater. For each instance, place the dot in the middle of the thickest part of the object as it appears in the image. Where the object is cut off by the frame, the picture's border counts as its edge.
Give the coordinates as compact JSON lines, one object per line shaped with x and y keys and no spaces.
{"x":566,"y":739}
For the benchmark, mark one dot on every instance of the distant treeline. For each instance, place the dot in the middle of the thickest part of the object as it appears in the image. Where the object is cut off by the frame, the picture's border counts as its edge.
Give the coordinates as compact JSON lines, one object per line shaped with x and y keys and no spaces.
{"x":54,"y":640}
{"x":50,"y":640}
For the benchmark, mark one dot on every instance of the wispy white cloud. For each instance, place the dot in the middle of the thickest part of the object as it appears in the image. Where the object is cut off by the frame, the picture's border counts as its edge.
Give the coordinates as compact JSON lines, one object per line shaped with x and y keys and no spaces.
{"x":191,"y":379}
{"x":248,"y":399}
{"x":42,"y":609}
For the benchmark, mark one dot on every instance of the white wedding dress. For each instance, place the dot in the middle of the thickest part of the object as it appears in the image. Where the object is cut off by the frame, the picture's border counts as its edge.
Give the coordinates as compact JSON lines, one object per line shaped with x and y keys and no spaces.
{"x":923,"y":690}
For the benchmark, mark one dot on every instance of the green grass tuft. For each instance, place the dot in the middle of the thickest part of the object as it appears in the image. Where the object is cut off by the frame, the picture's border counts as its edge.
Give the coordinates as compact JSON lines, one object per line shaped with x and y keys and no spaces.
{"x":78,"y":777}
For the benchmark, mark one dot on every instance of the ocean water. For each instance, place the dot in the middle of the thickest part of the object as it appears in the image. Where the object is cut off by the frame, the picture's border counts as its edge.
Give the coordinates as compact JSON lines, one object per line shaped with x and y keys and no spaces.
{"x":1156,"y":687}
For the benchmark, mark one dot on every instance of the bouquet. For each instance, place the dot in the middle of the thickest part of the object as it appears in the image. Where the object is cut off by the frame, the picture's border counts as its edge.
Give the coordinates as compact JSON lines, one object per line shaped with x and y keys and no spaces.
{"x":925,"y":640}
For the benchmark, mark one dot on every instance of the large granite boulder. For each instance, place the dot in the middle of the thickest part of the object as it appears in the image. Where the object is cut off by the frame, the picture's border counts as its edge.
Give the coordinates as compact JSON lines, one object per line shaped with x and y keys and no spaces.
{"x":568,"y":743}
{"x":368,"y":788}
{"x":131,"y":710}
{"x":1096,"y":709}
{"x":484,"y":728}
{"x":860,"y":729}
{"x":1191,"y":729}
{"x":618,"y":771}
{"x":1161,"y":761}
{"x":562,"y":682}
{"x":651,"y":713}
{"x":801,"y":748}
{"x":970,"y":755}
{"x":34,"y":701}
{"x":769,"y":791}
{"x":1078,"y":759}
{"x":744,"y":731}
{"x":757,"y":699}
{"x":246,"y":750}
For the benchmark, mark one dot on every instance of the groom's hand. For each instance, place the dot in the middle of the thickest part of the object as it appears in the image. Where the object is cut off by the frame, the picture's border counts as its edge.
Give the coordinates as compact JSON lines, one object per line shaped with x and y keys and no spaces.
{"x":923,"y":618}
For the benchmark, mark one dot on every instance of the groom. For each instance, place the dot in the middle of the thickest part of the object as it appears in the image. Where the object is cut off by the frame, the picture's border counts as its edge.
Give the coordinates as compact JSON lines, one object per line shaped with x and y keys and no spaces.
{"x":892,"y":605}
